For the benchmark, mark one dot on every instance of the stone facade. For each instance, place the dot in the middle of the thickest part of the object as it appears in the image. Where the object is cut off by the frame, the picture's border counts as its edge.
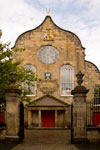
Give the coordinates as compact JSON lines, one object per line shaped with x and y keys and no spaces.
{"x":93,"y":135}
{"x":71,"y":52}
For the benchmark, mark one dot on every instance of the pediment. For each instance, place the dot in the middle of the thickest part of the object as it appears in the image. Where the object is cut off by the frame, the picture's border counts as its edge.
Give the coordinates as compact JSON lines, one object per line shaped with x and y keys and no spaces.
{"x":49,"y":101}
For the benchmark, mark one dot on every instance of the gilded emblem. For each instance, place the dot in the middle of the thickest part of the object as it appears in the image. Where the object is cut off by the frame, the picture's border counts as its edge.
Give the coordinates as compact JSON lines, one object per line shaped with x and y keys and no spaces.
{"x":48,"y":35}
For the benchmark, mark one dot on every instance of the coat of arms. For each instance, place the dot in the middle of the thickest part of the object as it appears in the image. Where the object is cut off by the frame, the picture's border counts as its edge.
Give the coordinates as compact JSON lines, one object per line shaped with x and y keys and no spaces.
{"x":49,"y":35}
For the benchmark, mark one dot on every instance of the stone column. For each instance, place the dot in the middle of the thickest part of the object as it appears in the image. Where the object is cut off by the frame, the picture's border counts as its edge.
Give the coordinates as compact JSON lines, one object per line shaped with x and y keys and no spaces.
{"x":12,"y":94}
{"x":39,"y":118}
{"x":66,"y":118}
{"x":79,"y":111}
{"x":29,"y":118}
{"x":56,"y":117}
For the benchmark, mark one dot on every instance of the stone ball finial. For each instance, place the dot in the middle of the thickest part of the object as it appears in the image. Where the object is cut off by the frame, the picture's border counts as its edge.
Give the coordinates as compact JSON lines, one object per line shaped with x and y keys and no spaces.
{"x":79,"y":78}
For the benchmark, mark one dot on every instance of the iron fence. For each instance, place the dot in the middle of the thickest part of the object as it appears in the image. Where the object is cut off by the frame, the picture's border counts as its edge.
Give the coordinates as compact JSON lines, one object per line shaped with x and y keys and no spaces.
{"x":93,"y":114}
{"x":2,"y":115}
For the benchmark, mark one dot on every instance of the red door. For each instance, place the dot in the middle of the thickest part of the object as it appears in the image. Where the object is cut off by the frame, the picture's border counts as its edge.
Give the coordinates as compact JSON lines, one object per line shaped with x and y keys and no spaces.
{"x":48,"y":118}
{"x":96,"y":118}
{"x":1,"y":117}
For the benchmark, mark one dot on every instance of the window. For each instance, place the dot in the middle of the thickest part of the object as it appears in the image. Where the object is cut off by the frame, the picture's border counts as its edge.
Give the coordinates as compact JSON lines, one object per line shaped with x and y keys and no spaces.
{"x":67,"y":80}
{"x":48,"y":54}
{"x":97,"y":95}
{"x":96,"y":108}
{"x":30,"y":89}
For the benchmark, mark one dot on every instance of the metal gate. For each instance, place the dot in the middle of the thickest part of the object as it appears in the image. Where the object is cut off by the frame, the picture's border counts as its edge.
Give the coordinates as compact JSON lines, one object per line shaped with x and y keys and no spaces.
{"x":2,"y":115}
{"x":21,"y":129}
{"x":93,"y":114}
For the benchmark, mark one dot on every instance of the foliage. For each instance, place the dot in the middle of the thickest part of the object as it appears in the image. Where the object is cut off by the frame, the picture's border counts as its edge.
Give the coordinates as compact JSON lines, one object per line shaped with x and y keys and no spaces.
{"x":97,"y":89}
{"x":7,"y":66}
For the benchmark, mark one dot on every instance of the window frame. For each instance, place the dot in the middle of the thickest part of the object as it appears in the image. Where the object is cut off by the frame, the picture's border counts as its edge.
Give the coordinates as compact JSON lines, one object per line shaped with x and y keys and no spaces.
{"x":69,"y":81}
{"x":97,"y":95}
{"x":34,"y":70}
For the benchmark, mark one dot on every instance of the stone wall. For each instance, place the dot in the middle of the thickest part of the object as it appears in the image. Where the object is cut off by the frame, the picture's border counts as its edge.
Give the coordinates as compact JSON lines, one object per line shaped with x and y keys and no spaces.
{"x":70,"y":52}
{"x":91,"y":79}
{"x":2,"y":133}
{"x":93,"y":135}
{"x":67,"y":43}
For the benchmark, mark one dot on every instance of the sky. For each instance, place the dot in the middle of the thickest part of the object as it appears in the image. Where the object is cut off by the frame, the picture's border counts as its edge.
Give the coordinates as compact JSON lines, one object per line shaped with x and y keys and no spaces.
{"x":81,"y":17}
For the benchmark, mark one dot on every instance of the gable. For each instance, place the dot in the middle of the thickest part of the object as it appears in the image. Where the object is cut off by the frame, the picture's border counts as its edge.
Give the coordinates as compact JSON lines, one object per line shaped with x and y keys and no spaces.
{"x":47,"y":24}
{"x":49,"y":101}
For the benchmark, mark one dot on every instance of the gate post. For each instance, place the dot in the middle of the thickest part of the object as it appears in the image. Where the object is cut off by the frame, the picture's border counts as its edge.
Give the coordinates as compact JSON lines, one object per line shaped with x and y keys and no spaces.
{"x":12,"y":94}
{"x":79,"y":110}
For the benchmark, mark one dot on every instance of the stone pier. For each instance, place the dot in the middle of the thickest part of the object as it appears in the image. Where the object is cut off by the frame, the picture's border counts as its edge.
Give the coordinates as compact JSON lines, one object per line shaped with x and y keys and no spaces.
{"x":79,"y":111}
{"x":12,"y":94}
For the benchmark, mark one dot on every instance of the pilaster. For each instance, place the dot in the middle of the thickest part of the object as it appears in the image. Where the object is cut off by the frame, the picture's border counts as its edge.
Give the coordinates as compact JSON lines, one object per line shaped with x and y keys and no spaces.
{"x":40,"y":118}
{"x":29,"y":118}
{"x":56,"y":117}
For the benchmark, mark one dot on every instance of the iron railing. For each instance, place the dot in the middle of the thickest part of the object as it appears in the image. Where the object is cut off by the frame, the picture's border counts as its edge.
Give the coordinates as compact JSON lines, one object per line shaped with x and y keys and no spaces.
{"x":2,"y":115}
{"x":93,"y":114}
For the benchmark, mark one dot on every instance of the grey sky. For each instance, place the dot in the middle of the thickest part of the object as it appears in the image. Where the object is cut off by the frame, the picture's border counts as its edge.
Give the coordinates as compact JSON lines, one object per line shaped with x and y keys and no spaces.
{"x":79,"y":16}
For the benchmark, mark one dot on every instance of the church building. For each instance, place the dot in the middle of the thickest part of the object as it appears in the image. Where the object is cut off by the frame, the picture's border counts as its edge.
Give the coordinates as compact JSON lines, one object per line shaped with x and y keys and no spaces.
{"x":56,"y":56}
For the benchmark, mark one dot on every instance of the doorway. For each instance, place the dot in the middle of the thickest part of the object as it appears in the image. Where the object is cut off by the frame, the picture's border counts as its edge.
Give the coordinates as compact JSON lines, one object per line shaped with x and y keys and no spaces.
{"x":48,"y":118}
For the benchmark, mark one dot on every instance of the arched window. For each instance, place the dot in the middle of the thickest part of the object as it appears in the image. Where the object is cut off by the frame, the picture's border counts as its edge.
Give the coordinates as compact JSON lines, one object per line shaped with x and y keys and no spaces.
{"x":97,"y":95}
{"x":67,"y":80}
{"x":30,"y":89}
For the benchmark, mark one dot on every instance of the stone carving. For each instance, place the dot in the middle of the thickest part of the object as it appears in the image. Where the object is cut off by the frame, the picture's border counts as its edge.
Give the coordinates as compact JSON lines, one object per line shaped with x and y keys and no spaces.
{"x":48,"y":54}
{"x":48,"y":86}
{"x":13,"y":77}
{"x":79,"y":88}
{"x":79,"y":78}
{"x":48,"y":35}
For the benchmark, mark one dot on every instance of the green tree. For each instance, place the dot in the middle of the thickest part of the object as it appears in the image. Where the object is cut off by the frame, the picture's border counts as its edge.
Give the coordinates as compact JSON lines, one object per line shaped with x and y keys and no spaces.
{"x":7,"y":66}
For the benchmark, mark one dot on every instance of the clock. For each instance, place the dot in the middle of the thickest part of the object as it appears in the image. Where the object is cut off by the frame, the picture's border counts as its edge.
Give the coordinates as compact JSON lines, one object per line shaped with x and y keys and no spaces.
{"x":48,"y":54}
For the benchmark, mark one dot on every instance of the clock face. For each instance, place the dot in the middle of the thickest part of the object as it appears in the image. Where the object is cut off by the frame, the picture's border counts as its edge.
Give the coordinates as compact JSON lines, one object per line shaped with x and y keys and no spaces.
{"x":48,"y":54}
